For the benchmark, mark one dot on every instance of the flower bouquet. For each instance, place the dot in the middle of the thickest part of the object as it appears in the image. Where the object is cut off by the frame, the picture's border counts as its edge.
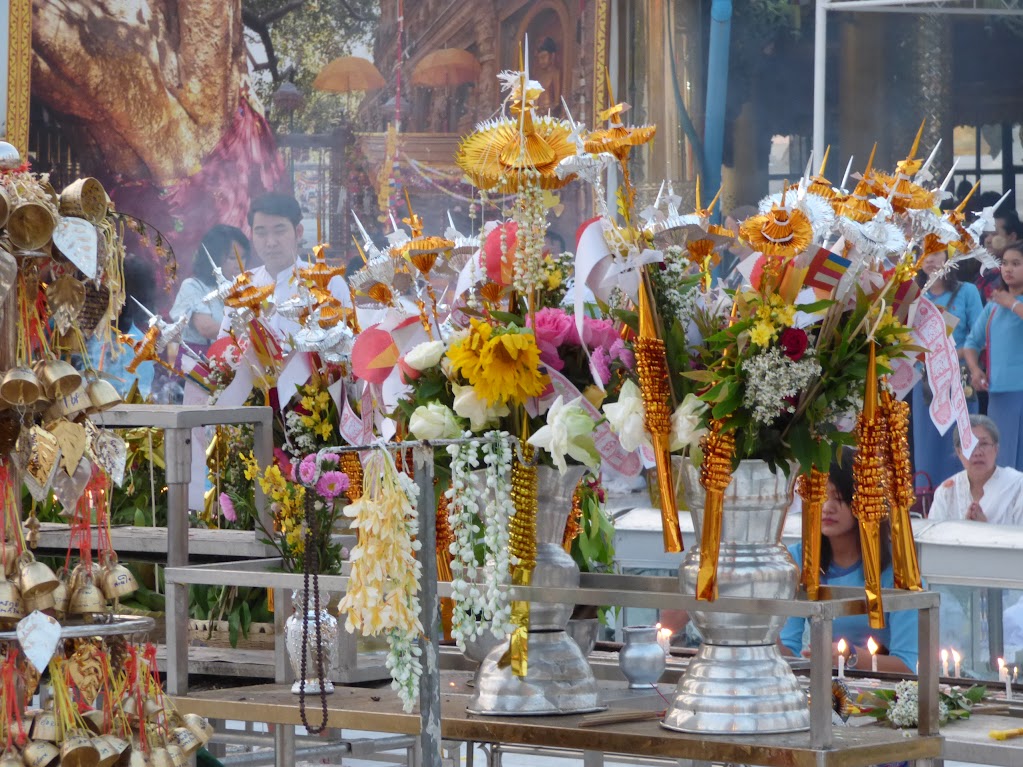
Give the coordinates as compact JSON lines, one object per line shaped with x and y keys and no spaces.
{"x":901,"y":707}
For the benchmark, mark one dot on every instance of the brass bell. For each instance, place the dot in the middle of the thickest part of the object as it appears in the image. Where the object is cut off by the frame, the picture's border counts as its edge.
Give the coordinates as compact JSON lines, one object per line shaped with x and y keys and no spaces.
{"x":102,"y":394}
{"x":129,"y":705}
{"x":11,"y":607}
{"x":159,"y":757}
{"x":120,"y":745}
{"x":40,"y":753}
{"x":11,"y":758}
{"x":138,"y":759}
{"x":10,"y":555}
{"x":77,"y":750}
{"x":44,"y":727}
{"x":61,"y":598}
{"x":58,"y":377}
{"x":30,"y":226}
{"x":108,"y":755}
{"x":87,"y":600}
{"x":185,"y":738}
{"x":118,"y":580}
{"x":35,"y":578}
{"x":41,"y":603}
{"x":20,"y":387}
{"x":94,"y":720}
{"x":152,"y":709}
{"x":200,"y":727}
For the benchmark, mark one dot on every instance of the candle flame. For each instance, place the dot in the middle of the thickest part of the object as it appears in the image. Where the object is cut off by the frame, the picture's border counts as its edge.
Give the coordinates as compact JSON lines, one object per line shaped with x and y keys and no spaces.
{"x":1001,"y":663}
{"x":872,"y":645}
{"x":944,"y":656}
{"x":842,"y":646}
{"x":956,"y":657}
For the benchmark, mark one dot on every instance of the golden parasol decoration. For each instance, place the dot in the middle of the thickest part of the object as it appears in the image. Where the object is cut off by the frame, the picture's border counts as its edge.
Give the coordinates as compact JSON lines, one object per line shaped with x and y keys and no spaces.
{"x":783,"y":231}
{"x":445,"y":68}
{"x":347,"y":74}
{"x":899,"y":188}
{"x":320,"y":273}
{"x":857,"y":206}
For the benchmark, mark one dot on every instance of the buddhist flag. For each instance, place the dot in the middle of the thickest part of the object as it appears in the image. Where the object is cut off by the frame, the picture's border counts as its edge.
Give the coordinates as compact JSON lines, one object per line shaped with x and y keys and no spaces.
{"x":374,"y":355}
{"x":905,"y":295}
{"x":825,"y":270}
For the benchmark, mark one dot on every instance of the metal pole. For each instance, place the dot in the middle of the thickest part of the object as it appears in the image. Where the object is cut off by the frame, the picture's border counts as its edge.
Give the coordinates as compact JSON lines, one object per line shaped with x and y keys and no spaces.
{"x":178,"y":459}
{"x":429,"y":682}
{"x":820,"y":61}
{"x":821,"y":735}
{"x":717,"y":95}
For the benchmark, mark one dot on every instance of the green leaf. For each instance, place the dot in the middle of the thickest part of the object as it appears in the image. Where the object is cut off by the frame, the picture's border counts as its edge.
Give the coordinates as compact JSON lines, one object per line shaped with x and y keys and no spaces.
{"x":140,"y":518}
{"x":246,"y":618}
{"x":507,"y":318}
{"x":233,"y":626}
{"x":815,"y":306}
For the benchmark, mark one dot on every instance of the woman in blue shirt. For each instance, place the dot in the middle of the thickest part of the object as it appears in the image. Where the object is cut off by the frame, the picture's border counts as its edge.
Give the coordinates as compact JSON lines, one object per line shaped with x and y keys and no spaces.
{"x":998,"y":336}
{"x":842,"y":565}
{"x":933,"y":452}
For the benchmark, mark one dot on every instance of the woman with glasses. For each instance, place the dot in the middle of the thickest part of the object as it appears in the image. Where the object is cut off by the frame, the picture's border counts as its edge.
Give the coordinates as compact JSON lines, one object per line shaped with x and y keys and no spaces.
{"x":983,"y":491}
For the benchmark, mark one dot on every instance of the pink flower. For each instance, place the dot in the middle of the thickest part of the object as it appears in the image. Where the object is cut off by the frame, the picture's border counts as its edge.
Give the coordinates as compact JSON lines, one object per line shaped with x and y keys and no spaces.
{"x":601,"y":364}
{"x":333,"y":458}
{"x":552,"y":329}
{"x":227,"y":507}
{"x":284,"y":463}
{"x":599,"y":333}
{"x":620,"y":352}
{"x":307,"y":470}
{"x":332,"y":484}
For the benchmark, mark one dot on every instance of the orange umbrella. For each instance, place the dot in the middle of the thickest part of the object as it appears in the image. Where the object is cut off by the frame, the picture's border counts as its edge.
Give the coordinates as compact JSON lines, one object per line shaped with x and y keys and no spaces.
{"x":446,"y":67}
{"x":347,"y":74}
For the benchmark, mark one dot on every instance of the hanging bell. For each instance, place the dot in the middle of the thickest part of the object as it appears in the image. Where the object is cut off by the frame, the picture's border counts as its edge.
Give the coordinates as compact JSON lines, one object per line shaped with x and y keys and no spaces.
{"x":10,"y":555}
{"x":200,"y":727}
{"x":138,"y":759}
{"x":129,"y":705}
{"x":20,"y":387}
{"x":120,"y":745}
{"x":61,"y":598}
{"x":40,"y":753}
{"x":185,"y":738}
{"x":87,"y":600}
{"x":152,"y":709}
{"x":12,"y":608}
{"x":35,"y":578}
{"x":59,"y":378}
{"x":42,"y":602}
{"x":77,"y":750}
{"x":11,"y":758}
{"x":102,"y":395}
{"x":108,"y":755}
{"x":94,"y":720}
{"x":118,"y":581}
{"x":44,"y":727}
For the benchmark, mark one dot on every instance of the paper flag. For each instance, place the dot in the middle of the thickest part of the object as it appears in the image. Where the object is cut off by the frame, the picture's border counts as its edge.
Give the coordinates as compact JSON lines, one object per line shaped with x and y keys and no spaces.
{"x":39,"y":635}
{"x":374,"y":355}
{"x":76,"y":238}
{"x":825,"y":271}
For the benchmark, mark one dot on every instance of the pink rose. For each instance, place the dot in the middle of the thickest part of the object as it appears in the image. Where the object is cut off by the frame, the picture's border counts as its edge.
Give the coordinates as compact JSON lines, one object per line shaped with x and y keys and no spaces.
{"x":553,"y":328}
{"x":599,"y":333}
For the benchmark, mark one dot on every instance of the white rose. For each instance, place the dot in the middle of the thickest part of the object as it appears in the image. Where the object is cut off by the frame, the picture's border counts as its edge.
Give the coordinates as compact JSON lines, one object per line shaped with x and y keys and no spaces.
{"x":625,"y":417}
{"x":687,"y":425}
{"x":480,"y":414}
{"x":425,"y":355}
{"x":434,"y":421}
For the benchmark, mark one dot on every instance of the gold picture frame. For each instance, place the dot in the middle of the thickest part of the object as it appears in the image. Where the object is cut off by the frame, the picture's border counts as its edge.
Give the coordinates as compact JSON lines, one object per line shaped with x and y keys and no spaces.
{"x":16,"y":26}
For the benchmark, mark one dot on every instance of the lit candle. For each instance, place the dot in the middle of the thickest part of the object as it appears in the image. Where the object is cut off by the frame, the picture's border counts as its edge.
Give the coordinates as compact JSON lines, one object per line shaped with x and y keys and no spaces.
{"x":841,"y":658}
{"x":1002,"y":670}
{"x":944,"y":662}
{"x":956,"y":658}
{"x":664,"y":640}
{"x":1015,"y":673}
{"x":872,"y":646}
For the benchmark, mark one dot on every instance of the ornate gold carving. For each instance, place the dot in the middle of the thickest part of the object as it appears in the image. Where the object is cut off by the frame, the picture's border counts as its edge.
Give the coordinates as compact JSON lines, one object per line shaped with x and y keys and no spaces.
{"x":19,"y":71}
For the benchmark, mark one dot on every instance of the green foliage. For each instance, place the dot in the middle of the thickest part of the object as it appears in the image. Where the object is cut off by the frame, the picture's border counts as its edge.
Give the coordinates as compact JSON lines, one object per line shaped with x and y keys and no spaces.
{"x":240,"y":606}
{"x":593,"y":549}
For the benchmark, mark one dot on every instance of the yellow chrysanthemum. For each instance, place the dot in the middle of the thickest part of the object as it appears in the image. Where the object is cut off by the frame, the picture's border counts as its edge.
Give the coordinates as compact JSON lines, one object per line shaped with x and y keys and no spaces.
{"x":554,"y":279}
{"x":509,"y":369}
{"x":465,"y":355}
{"x":761,"y":334}
{"x":786,"y":315}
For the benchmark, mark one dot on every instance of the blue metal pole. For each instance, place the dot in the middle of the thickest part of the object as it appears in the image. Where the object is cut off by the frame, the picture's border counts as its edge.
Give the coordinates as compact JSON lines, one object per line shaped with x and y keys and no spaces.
{"x":717,"y":96}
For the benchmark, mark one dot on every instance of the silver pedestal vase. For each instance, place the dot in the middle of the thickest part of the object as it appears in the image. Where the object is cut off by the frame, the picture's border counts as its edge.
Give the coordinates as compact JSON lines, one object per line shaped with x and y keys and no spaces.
{"x":558,"y":678}
{"x":641,"y":659}
{"x":738,"y":682}
{"x":303,"y":619}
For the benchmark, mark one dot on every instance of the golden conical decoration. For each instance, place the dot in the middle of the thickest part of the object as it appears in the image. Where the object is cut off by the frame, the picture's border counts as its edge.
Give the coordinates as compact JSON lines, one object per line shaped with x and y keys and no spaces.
{"x":616,"y":138}
{"x":905,"y":567}
{"x":813,"y":490}
{"x":320,"y":273}
{"x":245,"y":295}
{"x":782,"y":232}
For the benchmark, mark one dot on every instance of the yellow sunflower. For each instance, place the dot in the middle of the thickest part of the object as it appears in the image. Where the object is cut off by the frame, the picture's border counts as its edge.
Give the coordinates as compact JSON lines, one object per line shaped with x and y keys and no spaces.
{"x":509,"y":369}
{"x":465,"y":354}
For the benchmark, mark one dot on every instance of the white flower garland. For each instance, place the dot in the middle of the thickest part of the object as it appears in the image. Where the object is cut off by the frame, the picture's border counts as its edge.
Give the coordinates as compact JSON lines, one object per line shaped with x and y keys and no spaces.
{"x":383,"y":590}
{"x":480,"y":593}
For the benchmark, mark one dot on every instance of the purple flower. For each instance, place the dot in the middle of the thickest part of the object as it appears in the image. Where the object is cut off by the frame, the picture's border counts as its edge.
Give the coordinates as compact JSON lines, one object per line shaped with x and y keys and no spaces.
{"x":620,"y":352}
{"x":332,"y":458}
{"x":227,"y":507}
{"x":332,"y":484}
{"x":600,"y":362}
{"x":307,"y":470}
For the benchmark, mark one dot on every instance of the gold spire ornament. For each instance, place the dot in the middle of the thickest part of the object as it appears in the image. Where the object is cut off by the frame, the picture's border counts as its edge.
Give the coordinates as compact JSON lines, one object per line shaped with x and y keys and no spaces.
{"x":870,"y":494}
{"x":857,"y":206}
{"x":813,"y":490}
{"x":784,"y":231}
{"x":522,"y":541}
{"x":899,"y":188}
{"x":320,"y":273}
{"x":655,"y":387}
{"x":905,"y":567}
{"x":715,"y":476}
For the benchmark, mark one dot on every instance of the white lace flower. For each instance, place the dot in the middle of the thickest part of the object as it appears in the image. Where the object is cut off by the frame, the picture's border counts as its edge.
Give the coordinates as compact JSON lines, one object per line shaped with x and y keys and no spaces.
{"x":568,"y":433}
{"x":625,"y":417}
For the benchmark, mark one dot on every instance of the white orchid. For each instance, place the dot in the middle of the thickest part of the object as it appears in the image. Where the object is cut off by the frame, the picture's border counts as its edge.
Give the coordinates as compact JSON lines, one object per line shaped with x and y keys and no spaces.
{"x":480,"y":414}
{"x":687,"y":423}
{"x":625,"y":417}
{"x":568,"y":432}
{"x":434,"y":421}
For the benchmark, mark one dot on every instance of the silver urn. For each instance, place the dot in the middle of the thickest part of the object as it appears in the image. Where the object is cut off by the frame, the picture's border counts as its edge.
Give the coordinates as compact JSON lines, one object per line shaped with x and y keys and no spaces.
{"x":559,"y":679}
{"x":738,"y":682}
{"x":303,"y":620}
{"x":641,"y":658}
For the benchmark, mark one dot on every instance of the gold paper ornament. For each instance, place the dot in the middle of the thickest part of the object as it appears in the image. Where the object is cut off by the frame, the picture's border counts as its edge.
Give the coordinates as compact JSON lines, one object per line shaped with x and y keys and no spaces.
{"x":813,"y":490}
{"x":905,"y":567}
{"x":715,"y":476}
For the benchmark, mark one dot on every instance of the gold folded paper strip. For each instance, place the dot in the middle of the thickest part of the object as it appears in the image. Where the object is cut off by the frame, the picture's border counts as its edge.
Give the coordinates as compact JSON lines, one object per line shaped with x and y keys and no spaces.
{"x":517,"y":654}
{"x":813,"y":489}
{"x":715,"y":476}
{"x":905,"y":566}
{"x":522,"y":542}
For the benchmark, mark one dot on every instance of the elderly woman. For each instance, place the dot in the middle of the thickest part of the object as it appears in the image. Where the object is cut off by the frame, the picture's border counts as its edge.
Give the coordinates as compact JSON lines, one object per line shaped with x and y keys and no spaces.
{"x":982,"y":491}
